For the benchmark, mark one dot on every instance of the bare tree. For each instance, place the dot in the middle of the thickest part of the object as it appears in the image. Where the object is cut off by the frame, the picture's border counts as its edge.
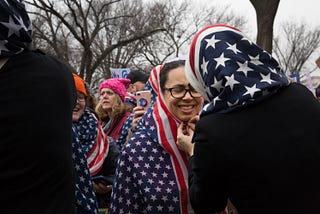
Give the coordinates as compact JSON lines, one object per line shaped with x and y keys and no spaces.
{"x":94,"y":35}
{"x":85,"y":33}
{"x":186,"y":19}
{"x":266,"y":11}
{"x":299,"y":41}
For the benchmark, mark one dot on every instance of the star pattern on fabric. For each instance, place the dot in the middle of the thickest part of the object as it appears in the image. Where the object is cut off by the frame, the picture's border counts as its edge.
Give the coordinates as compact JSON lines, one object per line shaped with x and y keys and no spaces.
{"x":87,"y":130}
{"x":266,"y":78}
{"x":233,"y":104}
{"x":238,"y":72}
{"x":221,"y":60}
{"x":145,"y":181}
{"x":212,"y":42}
{"x":255,"y":60}
{"x":204,"y":66}
{"x":231,"y":81}
{"x":251,"y":90}
{"x":13,"y":28}
{"x":233,"y":48}
{"x":3,"y":47}
{"x":17,"y":35}
{"x":85,"y":197}
{"x":217,"y":84}
{"x":244,"y":68}
{"x":215,"y":100}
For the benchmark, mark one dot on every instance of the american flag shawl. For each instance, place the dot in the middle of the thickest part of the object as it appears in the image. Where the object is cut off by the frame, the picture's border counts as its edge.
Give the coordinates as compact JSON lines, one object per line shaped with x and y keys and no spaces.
{"x":93,"y":140}
{"x":86,"y":202}
{"x":150,"y":85}
{"x":15,"y":28}
{"x":154,"y":82}
{"x":124,"y":132}
{"x":151,"y":176}
{"x":130,"y":99}
{"x":230,"y":71}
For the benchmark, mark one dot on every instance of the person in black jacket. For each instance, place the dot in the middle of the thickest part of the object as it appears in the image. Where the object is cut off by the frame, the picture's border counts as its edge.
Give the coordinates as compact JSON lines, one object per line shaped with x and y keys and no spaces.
{"x":256,"y":143}
{"x":37,"y":95}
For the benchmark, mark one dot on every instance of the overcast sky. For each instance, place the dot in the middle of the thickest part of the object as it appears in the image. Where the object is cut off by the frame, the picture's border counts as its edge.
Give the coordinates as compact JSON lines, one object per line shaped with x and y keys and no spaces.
{"x":288,"y":10}
{"x":296,"y":10}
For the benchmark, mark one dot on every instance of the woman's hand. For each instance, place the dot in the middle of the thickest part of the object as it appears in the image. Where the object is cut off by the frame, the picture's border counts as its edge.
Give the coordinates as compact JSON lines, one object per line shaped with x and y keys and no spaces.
{"x":185,"y":134}
{"x":101,"y":188}
{"x":138,"y":112}
{"x":192,"y":122}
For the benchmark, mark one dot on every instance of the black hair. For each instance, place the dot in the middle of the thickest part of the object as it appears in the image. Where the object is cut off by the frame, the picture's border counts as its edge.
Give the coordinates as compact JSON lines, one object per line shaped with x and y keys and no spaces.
{"x":167,"y":67}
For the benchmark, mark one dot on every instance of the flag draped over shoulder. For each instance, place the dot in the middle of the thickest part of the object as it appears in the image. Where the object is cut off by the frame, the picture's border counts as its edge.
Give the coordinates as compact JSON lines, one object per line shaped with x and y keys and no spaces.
{"x":152,"y":85}
{"x":93,"y":141}
{"x":167,"y":126}
{"x":85,"y":197}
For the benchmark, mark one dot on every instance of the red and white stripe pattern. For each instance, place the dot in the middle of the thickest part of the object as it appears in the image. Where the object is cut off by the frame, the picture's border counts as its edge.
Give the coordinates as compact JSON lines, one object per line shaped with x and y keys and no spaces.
{"x":99,"y":151}
{"x":154,"y":78}
{"x":167,"y":126}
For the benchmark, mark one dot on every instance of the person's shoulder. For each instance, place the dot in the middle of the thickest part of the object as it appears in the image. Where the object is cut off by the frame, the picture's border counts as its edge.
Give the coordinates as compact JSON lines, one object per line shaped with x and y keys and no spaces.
{"x":44,"y":59}
{"x":48,"y":56}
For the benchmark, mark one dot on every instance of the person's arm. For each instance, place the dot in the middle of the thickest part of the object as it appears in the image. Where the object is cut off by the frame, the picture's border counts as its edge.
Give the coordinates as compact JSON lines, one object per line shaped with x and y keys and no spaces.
{"x":207,"y":181}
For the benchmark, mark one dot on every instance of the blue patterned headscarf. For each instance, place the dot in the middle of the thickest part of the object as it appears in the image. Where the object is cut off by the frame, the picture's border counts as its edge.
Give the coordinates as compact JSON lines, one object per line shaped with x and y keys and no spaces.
{"x":230,"y":71}
{"x":15,"y":28}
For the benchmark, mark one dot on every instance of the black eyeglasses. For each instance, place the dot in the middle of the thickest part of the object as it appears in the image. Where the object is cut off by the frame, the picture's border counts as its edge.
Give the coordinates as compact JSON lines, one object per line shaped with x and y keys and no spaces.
{"x":179,"y":92}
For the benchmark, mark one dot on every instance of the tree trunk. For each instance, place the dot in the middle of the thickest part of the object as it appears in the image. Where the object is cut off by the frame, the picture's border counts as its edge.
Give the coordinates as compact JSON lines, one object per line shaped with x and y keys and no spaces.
{"x":266,"y":11}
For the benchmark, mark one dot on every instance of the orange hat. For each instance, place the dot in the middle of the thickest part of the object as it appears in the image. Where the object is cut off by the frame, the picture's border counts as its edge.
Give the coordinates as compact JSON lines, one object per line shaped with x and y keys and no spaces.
{"x":79,"y":84}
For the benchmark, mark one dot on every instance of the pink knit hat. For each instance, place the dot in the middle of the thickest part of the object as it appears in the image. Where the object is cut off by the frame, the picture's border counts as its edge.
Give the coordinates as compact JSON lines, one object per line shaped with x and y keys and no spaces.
{"x":118,"y":85}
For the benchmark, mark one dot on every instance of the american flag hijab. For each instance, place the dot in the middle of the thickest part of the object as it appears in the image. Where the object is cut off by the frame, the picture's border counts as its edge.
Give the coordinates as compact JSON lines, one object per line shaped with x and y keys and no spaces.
{"x":231,"y":71}
{"x":153,"y":83}
{"x":15,"y":28}
{"x":167,"y":125}
{"x":151,"y":175}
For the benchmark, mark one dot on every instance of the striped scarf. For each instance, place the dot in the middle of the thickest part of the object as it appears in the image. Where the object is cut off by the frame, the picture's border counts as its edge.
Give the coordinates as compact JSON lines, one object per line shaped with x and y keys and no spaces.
{"x":93,"y":141}
{"x":167,"y":126}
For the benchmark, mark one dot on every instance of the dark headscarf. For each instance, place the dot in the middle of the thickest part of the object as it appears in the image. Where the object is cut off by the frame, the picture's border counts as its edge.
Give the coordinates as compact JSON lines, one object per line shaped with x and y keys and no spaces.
{"x":15,"y":28}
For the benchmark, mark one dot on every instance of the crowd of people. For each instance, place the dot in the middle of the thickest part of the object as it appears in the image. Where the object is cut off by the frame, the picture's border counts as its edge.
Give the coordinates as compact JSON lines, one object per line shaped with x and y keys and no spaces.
{"x":226,"y":131}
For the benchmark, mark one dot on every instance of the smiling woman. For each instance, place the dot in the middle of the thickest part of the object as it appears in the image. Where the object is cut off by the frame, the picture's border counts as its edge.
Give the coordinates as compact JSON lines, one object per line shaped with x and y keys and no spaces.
{"x":152,"y":170}
{"x":173,"y":82}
